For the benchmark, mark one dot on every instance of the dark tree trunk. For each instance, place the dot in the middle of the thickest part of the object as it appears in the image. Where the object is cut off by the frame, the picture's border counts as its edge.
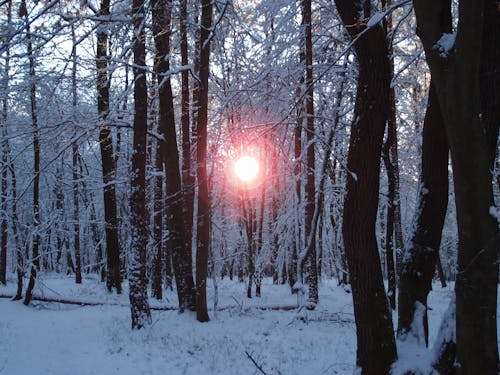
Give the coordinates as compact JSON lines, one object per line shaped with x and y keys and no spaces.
{"x":297,"y":171}
{"x":464,"y":101}
{"x":203,"y":222}
{"x":376,"y":345}
{"x":167,"y":252}
{"x":4,"y":86}
{"x":76,"y":177}
{"x":390,"y":156}
{"x":259,"y":230}
{"x":188,"y":180}
{"x":15,"y":227}
{"x":274,"y":226}
{"x":35,"y":263}
{"x":113,"y":277}
{"x":248,"y":220}
{"x":391,"y":195}
{"x":181,"y":256}
{"x":157,"y":187}
{"x":309,"y":188}
{"x":423,"y":250}
{"x":158,"y":226}
{"x":139,"y":305}
{"x":440,"y":272}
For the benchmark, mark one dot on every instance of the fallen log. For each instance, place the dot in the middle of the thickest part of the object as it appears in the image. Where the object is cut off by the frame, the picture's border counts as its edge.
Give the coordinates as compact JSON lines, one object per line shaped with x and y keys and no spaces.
{"x":156,"y":308}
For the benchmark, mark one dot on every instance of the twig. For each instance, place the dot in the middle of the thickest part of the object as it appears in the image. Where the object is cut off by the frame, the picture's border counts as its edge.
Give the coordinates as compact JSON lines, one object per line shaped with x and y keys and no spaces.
{"x":255,"y":363}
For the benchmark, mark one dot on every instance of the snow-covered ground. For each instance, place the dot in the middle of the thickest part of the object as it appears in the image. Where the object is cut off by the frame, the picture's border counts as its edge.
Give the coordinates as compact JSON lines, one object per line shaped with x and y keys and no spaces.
{"x":59,"y":339}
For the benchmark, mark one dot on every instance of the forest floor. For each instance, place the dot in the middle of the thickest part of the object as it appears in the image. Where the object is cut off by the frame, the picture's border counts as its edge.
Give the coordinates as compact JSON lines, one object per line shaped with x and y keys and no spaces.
{"x":59,"y":339}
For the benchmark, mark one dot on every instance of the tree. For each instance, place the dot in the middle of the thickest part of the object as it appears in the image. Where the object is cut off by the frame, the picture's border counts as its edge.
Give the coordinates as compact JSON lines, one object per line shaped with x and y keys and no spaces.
{"x":76,"y":177}
{"x":390,"y":156}
{"x":4,"y":86}
{"x":461,"y":63}
{"x":35,"y":260}
{"x":188,"y":181}
{"x":203,"y":222}
{"x":162,"y":10}
{"x":139,"y":305}
{"x":309,"y":188}
{"x":376,"y":345}
{"x":113,"y":277}
{"x":420,"y":256}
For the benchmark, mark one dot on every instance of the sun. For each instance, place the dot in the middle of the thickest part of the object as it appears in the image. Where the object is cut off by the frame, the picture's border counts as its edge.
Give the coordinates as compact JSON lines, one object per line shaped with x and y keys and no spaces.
{"x":246,"y":168}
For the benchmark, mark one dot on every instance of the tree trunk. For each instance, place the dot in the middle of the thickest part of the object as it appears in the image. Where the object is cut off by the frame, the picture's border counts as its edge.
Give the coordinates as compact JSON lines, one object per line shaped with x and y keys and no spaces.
{"x":157,"y":190}
{"x":464,"y":101}
{"x":188,"y":181}
{"x":35,"y":262}
{"x":248,"y":219}
{"x":158,"y":225}
{"x":203,"y":222}
{"x":181,"y":256}
{"x":76,"y":177}
{"x":113,"y":278}
{"x":309,"y":188}
{"x":5,"y":153}
{"x":423,"y":249}
{"x":376,"y":345}
{"x":139,"y":305}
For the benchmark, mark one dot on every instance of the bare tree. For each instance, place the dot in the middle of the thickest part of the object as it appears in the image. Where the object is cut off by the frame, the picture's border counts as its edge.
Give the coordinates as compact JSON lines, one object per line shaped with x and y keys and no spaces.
{"x":139,"y":305}
{"x":113,"y":277}
{"x":375,"y":338}
{"x":162,"y":11}
{"x":35,"y":260}
{"x":461,"y":63}
{"x":423,"y":250}
{"x":4,"y":86}
{"x":76,"y":177}
{"x":309,"y":188}
{"x":203,"y":222}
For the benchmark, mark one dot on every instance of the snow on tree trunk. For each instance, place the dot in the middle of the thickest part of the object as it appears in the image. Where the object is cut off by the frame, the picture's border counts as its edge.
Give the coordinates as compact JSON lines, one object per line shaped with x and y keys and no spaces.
{"x":139,"y":305}
{"x":375,"y":338}
{"x":457,"y":66}
{"x":113,"y":277}
{"x":203,"y":222}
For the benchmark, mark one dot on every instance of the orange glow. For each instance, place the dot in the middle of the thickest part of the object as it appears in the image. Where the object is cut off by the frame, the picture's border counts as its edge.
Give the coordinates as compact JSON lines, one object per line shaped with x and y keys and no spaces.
{"x":246,"y":168}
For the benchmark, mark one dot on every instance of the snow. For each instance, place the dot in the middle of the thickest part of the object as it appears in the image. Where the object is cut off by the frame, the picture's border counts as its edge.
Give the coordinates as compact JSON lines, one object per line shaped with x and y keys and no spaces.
{"x":495,"y":212}
{"x":445,"y":44}
{"x":375,"y":19}
{"x":53,"y":338}
{"x":68,"y":339}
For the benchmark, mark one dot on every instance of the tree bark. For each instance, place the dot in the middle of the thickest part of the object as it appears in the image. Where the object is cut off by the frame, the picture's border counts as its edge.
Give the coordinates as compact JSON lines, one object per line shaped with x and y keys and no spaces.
{"x":376,"y":345}
{"x":76,"y":177}
{"x":139,"y":305}
{"x":309,"y":188}
{"x":5,"y":154}
{"x":181,"y":256}
{"x":203,"y":222}
{"x":462,"y":95}
{"x":188,"y":180}
{"x":423,"y":250}
{"x":113,"y":277}
{"x":35,"y":262}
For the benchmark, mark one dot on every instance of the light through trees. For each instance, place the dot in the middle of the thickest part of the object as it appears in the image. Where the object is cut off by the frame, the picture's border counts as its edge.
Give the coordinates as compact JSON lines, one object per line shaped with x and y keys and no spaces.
{"x":246,"y":168}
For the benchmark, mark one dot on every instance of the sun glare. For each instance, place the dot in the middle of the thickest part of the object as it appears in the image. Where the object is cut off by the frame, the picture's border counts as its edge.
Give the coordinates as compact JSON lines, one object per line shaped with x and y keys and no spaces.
{"x":246,"y":168}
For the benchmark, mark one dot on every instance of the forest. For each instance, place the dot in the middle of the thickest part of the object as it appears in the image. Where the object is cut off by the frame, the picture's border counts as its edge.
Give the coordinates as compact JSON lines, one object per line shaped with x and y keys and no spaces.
{"x":249,"y":187}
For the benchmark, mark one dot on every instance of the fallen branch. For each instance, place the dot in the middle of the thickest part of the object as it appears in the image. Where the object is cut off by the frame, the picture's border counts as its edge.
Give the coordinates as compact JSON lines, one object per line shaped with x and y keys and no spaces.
{"x":157,"y":308}
{"x":255,"y":363}
{"x":87,"y":303}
